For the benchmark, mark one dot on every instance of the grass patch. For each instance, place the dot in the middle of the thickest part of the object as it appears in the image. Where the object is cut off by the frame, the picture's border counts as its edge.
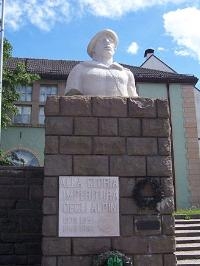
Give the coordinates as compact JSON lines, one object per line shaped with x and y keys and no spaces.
{"x":188,"y":213}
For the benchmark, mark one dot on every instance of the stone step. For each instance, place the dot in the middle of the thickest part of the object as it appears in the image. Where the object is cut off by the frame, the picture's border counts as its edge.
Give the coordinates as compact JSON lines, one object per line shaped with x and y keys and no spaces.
{"x":187,"y":246}
{"x":186,"y":226}
{"x":188,"y":254}
{"x":184,"y":216}
{"x":188,"y":262}
{"x":189,"y":239}
{"x":187,"y":233}
{"x":190,"y":221}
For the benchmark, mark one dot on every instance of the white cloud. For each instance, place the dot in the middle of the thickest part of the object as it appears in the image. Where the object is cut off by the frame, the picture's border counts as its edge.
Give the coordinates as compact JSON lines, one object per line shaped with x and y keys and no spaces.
{"x":182,"y":25}
{"x":182,"y":52}
{"x":43,"y":14}
{"x":13,"y":15}
{"x":118,"y":8}
{"x":133,"y":48}
{"x":161,"y":49}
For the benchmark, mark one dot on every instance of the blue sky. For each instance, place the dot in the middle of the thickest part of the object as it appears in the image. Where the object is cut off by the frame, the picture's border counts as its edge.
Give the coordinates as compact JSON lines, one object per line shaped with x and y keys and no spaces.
{"x":61,"y":29}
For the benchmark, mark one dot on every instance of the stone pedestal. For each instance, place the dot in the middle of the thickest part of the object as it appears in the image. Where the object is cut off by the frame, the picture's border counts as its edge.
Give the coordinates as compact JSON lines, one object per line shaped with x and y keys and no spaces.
{"x":128,"y":138}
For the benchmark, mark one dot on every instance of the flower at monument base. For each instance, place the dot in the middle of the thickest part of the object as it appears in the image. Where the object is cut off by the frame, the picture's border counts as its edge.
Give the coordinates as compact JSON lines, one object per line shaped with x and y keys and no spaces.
{"x":114,"y":261}
{"x":112,"y":258}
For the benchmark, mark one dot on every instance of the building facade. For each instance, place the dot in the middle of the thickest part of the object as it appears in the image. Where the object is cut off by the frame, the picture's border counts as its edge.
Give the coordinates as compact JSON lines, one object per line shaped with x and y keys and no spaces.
{"x":197,"y":106}
{"x":26,"y":137}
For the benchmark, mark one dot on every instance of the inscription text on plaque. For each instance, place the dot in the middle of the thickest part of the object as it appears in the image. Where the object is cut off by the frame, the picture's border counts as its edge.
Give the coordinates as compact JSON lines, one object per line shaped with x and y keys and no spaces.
{"x":88,"y":206}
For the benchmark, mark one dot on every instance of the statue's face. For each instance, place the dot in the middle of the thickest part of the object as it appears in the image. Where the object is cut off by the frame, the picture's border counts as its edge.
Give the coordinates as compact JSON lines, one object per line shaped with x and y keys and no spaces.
{"x":105,"y":46}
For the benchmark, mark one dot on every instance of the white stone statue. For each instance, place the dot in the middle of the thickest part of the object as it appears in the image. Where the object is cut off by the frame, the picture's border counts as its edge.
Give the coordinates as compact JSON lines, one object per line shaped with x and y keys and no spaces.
{"x":101,"y":76}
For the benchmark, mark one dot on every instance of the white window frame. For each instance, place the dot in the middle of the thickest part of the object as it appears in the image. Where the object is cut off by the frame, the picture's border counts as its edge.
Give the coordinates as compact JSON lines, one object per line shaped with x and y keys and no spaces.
{"x":25,"y":93}
{"x":41,"y":115}
{"x":23,"y":116}
{"x":47,"y":90}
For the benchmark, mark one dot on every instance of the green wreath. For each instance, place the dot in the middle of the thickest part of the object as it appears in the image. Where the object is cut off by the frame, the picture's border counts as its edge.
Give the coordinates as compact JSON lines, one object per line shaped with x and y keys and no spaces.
{"x":112,"y":258}
{"x":148,"y":201}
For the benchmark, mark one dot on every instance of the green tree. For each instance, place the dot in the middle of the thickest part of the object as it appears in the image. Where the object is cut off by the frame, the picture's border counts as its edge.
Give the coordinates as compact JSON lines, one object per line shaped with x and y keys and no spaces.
{"x":12,"y":79}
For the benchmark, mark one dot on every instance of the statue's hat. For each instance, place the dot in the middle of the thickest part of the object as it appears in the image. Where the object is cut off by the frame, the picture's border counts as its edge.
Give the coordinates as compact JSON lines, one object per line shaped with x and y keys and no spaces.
{"x":92,"y":42}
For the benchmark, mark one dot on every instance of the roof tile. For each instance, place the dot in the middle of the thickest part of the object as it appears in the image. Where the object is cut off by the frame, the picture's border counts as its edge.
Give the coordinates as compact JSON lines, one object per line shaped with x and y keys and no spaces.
{"x":59,"y":69}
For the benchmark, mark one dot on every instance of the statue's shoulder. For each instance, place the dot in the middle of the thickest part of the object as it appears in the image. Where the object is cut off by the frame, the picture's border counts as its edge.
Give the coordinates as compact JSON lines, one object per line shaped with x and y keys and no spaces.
{"x":121,"y":67}
{"x":127,"y":69}
{"x":91,"y":64}
{"x":86,"y":63}
{"x":129,"y":72}
{"x":78,"y":68}
{"x":83,"y":65}
{"x":79,"y":65}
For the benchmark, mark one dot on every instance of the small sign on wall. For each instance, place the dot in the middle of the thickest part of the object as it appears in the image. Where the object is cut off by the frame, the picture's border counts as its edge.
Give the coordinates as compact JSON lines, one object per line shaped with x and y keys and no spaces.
{"x":88,"y":206}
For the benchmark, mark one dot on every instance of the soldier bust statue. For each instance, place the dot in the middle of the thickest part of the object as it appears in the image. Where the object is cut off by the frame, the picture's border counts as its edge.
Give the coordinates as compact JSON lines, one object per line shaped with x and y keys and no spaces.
{"x":101,"y":76}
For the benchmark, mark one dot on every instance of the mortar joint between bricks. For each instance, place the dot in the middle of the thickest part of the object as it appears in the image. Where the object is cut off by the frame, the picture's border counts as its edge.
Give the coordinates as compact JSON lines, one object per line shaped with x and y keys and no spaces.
{"x":73,"y":126}
{"x":156,"y":104}
{"x":92,"y":141}
{"x":72,"y":164}
{"x":109,"y":165}
{"x":98,"y":126}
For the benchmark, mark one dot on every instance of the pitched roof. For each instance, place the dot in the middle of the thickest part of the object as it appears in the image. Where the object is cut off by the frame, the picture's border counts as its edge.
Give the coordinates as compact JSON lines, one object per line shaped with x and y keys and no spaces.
{"x":150,"y":63}
{"x":59,"y":69}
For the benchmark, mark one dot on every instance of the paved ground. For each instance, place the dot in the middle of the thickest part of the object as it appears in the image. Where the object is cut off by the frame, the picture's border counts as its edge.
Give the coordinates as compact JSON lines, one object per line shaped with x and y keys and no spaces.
{"x":187,"y":241}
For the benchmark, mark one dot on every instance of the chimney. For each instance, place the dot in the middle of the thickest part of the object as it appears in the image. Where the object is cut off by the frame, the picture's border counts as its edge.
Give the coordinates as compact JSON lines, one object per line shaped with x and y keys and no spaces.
{"x":148,"y":52}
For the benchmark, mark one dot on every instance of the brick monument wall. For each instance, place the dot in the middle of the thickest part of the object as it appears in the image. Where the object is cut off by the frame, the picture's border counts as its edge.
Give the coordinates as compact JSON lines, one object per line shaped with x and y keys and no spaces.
{"x":21,"y":196}
{"x":129,"y":138}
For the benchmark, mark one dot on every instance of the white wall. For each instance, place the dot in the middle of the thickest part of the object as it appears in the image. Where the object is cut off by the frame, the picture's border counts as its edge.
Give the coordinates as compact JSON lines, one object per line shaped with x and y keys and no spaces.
{"x":154,"y":63}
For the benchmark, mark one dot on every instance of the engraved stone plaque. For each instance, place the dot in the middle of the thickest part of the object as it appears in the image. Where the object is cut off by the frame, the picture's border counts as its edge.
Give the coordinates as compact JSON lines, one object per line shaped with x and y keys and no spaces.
{"x":148,"y":225}
{"x":88,"y":206}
